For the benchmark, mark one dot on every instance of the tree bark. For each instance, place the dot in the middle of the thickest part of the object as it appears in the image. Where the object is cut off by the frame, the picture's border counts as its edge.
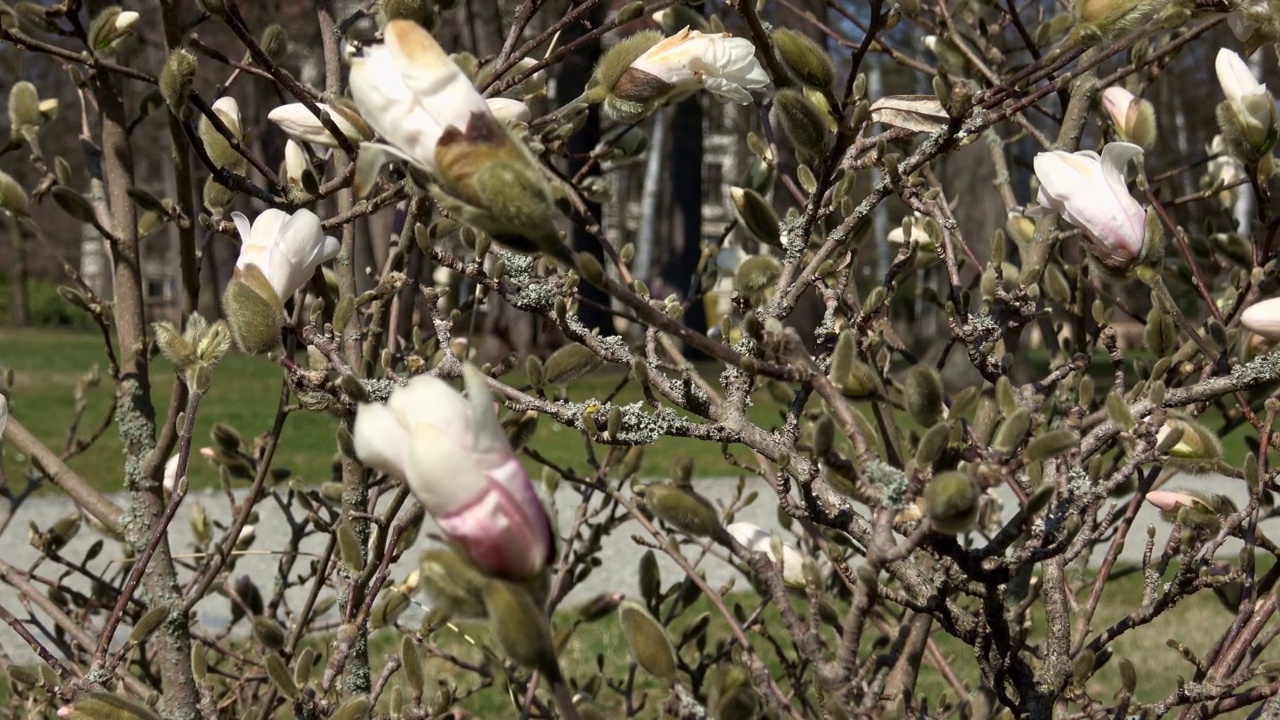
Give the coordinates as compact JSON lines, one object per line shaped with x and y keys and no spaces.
{"x":680,"y":270}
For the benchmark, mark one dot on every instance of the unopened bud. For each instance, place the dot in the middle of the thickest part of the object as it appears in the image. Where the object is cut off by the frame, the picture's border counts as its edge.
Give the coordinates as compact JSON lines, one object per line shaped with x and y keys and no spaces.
{"x":951,"y":501}
{"x":806,"y":60}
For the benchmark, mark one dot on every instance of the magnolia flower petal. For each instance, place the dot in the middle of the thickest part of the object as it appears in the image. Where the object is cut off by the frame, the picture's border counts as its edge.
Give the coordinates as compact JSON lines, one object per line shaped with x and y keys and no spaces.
{"x":489,"y":439}
{"x":509,"y":111}
{"x":749,"y":535}
{"x":1263,"y":318}
{"x":442,"y":474}
{"x":171,"y":473}
{"x":429,"y":73}
{"x":250,"y":254}
{"x":427,"y":400}
{"x":229,"y":110}
{"x":381,"y":441}
{"x":299,"y":123}
{"x":502,"y":534}
{"x":300,"y":245}
{"x":1235,"y":77}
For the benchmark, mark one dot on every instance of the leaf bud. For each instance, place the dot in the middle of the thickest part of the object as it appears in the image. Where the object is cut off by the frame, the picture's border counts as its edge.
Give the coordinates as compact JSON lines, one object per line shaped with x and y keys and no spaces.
{"x":274,"y":42}
{"x":13,"y":198}
{"x":647,"y":640}
{"x":951,"y":502}
{"x":520,"y":626}
{"x":756,"y":215}
{"x":682,"y":508}
{"x":805,"y":60}
{"x":569,"y":363}
{"x":801,"y":120}
{"x":922,"y":394}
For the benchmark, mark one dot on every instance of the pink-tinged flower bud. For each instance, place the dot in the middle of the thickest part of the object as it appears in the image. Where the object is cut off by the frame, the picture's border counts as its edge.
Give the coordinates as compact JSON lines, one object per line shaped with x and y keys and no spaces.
{"x":1263,"y":318}
{"x":455,"y":456}
{"x":1090,"y":192}
{"x":1133,"y":117}
{"x":1172,"y":500}
{"x":1249,"y":110}
{"x":301,"y":124}
{"x":286,"y":248}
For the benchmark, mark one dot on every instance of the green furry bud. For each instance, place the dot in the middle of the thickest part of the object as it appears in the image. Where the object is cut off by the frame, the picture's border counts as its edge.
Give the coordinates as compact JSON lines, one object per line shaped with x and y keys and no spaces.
{"x":268,"y":632}
{"x":254,"y":312}
{"x":452,"y":583}
{"x":105,"y":706}
{"x":647,"y":640}
{"x":683,"y":509}
{"x":801,"y":120}
{"x":24,"y":106}
{"x":632,"y":99}
{"x":1118,"y":411}
{"x":650,"y":577}
{"x":13,"y":199}
{"x":951,"y":502}
{"x":756,"y":215}
{"x":629,"y":12}
{"x":218,"y":147}
{"x":520,"y":626}
{"x":589,"y":267}
{"x":922,"y":394}
{"x":1050,"y":444}
{"x":932,"y":443}
{"x":74,"y":204}
{"x":175,"y":81}
{"x":569,"y":363}
{"x":1160,"y":334}
{"x":280,"y":675}
{"x":805,"y":60}
{"x":274,"y":42}
{"x":357,"y":708}
{"x":756,"y":275}
{"x":1012,"y":430}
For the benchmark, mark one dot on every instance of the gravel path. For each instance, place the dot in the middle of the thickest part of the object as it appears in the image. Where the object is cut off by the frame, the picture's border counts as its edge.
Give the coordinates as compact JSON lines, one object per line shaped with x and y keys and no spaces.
{"x":617,"y":573}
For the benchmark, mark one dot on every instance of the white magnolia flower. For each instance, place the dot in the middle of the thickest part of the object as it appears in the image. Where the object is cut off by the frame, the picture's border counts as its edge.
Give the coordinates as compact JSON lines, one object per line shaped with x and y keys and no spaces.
{"x":1263,"y":318}
{"x":1252,"y":108}
{"x":426,"y":109}
{"x":723,"y":65}
{"x":509,"y":111}
{"x":286,"y":248}
{"x":1090,"y":192}
{"x":1255,"y":23}
{"x":411,"y":93}
{"x":299,"y":123}
{"x":757,"y":539}
{"x":456,"y":458}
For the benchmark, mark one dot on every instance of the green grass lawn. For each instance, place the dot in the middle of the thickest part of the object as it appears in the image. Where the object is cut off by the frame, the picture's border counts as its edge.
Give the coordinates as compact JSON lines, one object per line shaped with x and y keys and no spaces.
{"x":245,"y":393}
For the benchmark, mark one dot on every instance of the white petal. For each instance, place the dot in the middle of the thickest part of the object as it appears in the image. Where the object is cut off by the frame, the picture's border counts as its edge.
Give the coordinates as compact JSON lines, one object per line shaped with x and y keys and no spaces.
{"x":1235,"y":77}
{"x":424,"y":67}
{"x":250,"y":253}
{"x":381,"y":442}
{"x":509,"y":111}
{"x":1263,"y":318}
{"x":298,"y":122}
{"x":444,"y":476}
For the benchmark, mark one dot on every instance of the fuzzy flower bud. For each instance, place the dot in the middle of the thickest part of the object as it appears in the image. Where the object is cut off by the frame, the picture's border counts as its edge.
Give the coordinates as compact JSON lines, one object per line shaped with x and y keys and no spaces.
{"x":1090,"y":192}
{"x":300,"y":124}
{"x":456,"y":458}
{"x":1249,"y":110}
{"x":1133,"y":117}
{"x":690,"y":60}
